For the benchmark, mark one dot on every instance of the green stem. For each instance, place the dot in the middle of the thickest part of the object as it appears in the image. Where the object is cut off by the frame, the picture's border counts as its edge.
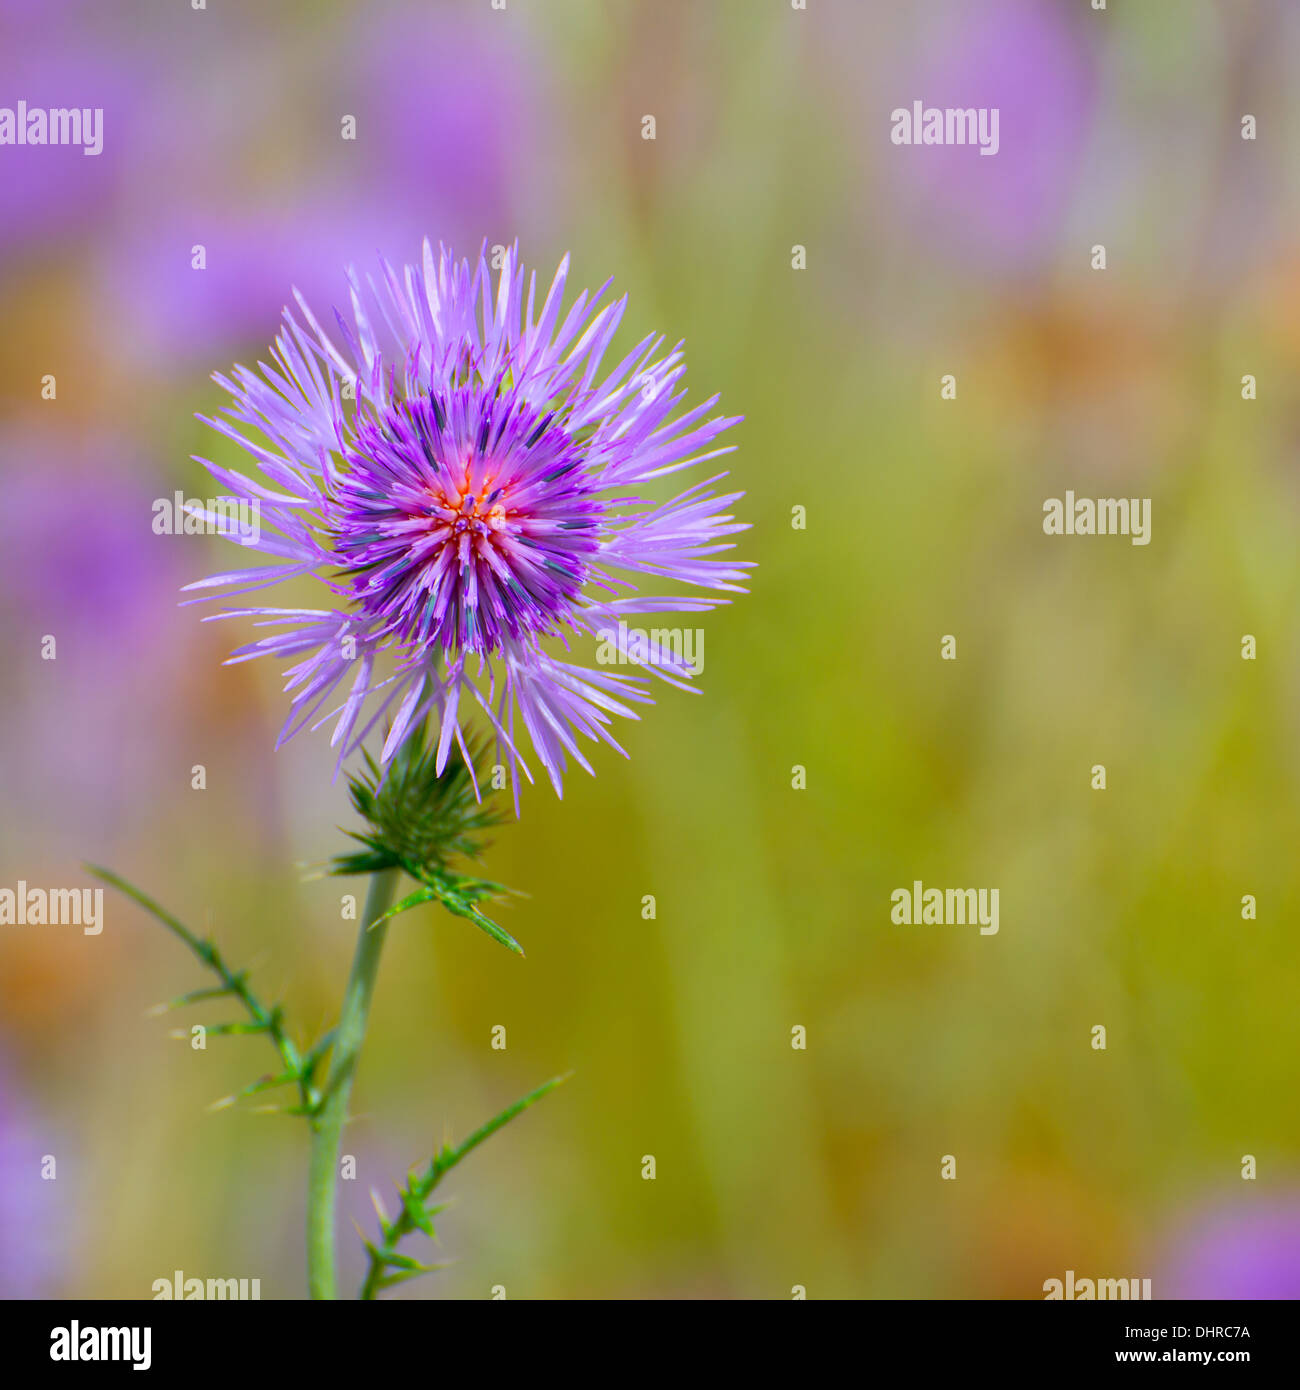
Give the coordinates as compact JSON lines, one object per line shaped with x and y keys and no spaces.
{"x":327,"y":1125}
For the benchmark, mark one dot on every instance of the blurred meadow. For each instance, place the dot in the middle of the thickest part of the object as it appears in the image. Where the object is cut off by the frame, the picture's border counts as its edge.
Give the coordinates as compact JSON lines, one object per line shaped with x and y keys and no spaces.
{"x":776,"y":1166}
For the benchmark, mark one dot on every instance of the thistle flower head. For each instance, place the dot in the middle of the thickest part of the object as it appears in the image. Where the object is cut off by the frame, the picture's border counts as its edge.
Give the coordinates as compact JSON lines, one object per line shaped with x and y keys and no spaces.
{"x":467,"y":484}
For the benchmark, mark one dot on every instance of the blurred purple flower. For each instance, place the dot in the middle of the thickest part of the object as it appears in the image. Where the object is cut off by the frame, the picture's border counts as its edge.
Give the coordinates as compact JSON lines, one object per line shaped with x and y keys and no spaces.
{"x":450,"y":126}
{"x":95,"y":578}
{"x":1239,"y":1251}
{"x":90,"y":573}
{"x":54,"y":191}
{"x":252,"y":259}
{"x":30,"y":1215}
{"x":1027,"y":59}
{"x":453,"y":116}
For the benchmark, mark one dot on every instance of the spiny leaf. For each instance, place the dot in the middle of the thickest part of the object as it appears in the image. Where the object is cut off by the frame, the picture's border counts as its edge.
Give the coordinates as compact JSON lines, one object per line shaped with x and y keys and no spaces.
{"x":448,"y":1158}
{"x":231,"y":1030}
{"x":195,"y":996}
{"x":171,"y":923}
{"x":264,"y":1083}
{"x":399,"y":1261}
{"x":415,"y":1209}
{"x":456,"y":902}
{"x":233,"y":983}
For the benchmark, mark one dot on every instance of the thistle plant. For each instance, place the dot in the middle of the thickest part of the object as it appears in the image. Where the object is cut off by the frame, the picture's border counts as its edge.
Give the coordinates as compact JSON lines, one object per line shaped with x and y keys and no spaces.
{"x":466,"y":486}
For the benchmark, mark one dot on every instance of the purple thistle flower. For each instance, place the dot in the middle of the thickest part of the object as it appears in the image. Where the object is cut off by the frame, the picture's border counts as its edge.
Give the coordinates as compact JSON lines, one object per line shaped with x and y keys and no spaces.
{"x":480,"y":496}
{"x":31,"y":1217}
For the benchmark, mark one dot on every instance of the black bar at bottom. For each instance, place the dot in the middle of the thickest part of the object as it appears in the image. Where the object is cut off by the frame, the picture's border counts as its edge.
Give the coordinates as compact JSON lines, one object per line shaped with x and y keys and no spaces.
{"x":236,"y":1339}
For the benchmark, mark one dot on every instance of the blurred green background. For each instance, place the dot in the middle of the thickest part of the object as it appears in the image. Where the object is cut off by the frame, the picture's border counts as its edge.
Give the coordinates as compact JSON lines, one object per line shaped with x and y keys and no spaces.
{"x":776,"y":1167}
